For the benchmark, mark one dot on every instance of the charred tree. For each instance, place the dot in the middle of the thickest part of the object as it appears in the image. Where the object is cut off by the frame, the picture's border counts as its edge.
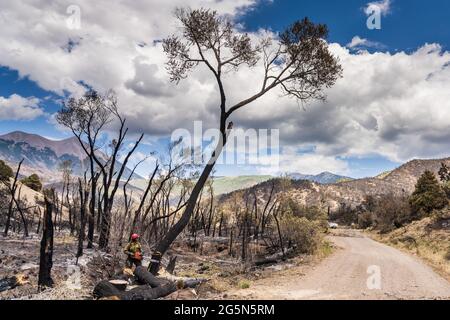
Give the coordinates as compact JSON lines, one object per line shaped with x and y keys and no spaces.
{"x":46,"y":248}
{"x":12,"y":188}
{"x":84,"y":198}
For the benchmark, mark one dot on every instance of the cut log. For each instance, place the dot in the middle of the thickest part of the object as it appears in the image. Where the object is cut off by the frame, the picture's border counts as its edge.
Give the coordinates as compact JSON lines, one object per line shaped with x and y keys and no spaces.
{"x":121,"y":285}
{"x":155,"y":263}
{"x":143,"y":276}
{"x":12,"y":282}
{"x":106,"y":289}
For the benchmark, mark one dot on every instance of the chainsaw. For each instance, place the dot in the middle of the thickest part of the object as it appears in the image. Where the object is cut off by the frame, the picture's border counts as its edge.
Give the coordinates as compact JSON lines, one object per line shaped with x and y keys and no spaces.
{"x":137,"y":255}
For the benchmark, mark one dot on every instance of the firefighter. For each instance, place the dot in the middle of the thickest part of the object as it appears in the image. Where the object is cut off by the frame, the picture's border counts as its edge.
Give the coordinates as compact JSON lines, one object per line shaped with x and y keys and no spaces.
{"x":134,"y":252}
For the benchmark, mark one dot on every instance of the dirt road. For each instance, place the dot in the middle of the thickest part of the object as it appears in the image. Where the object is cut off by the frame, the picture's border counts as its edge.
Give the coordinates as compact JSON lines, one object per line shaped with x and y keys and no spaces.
{"x":360,"y":269}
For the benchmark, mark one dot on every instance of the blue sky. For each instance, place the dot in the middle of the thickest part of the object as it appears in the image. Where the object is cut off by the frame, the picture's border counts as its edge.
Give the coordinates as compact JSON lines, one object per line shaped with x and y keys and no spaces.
{"x":410,"y":23}
{"x":406,"y":26}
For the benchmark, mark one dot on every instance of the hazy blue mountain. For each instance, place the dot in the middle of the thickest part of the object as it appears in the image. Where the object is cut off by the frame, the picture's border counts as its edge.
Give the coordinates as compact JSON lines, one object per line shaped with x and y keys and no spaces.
{"x":323,"y":178}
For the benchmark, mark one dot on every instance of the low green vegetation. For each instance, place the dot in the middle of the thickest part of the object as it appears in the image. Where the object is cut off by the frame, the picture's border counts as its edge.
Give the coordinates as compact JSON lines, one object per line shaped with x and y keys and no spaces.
{"x":33,"y":182}
{"x":244,"y":284}
{"x":5,"y":171}
{"x":301,"y":227}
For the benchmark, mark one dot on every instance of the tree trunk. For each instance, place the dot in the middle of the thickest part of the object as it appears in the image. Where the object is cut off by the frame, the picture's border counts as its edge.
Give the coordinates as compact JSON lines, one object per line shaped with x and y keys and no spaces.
{"x":39,"y":222}
{"x":104,"y":229}
{"x":12,"y":191}
{"x":8,"y":218}
{"x":171,"y":265}
{"x":91,"y":219}
{"x":83,"y":201}
{"x":280,"y":236}
{"x":244,"y":238}
{"x":46,"y":251}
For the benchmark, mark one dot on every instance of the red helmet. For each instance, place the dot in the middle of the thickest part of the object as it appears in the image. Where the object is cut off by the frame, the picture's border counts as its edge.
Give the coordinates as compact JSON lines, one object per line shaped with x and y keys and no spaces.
{"x":134,"y":236}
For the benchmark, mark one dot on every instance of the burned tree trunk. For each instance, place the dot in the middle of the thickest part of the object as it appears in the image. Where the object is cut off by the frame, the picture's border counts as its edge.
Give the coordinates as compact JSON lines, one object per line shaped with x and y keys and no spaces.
{"x":84,"y":196}
{"x":91,"y":218}
{"x":280,"y":236}
{"x":12,"y":190}
{"x":171,"y":265}
{"x":46,"y":253}
{"x":39,"y":221}
{"x":176,"y":229}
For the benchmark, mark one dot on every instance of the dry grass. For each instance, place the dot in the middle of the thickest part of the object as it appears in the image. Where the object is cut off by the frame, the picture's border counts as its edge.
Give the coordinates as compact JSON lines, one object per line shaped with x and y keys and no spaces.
{"x":425,"y":238}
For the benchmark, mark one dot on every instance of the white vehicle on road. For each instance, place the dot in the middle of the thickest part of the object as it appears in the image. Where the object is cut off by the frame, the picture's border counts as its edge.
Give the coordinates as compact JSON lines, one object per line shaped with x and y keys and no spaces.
{"x":333,"y":225}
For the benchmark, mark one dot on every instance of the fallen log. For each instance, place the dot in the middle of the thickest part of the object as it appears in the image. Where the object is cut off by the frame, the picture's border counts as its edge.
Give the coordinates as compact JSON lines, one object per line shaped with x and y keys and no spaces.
{"x":12,"y":282}
{"x":183,"y":282}
{"x":146,"y":292}
{"x":264,"y":261}
{"x":143,"y":276}
{"x":106,"y":289}
{"x":275,"y":258}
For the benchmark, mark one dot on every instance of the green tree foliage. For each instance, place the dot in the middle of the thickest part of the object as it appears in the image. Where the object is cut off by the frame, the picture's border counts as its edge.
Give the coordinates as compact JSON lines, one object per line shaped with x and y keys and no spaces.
{"x":444,"y":175}
{"x":33,"y":182}
{"x":301,"y":232}
{"x":301,"y":226}
{"x":5,"y":171}
{"x":428,"y":195}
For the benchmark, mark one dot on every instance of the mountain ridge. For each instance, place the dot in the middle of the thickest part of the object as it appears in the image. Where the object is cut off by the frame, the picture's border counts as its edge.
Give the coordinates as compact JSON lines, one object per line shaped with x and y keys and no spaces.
{"x":325,"y":177}
{"x":43,"y":156}
{"x":399,"y":182}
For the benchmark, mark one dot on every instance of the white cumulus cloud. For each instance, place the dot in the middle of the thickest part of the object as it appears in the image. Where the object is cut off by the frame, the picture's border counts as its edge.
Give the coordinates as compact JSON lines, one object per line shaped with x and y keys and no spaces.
{"x":16,"y":107}
{"x":395,"y":105}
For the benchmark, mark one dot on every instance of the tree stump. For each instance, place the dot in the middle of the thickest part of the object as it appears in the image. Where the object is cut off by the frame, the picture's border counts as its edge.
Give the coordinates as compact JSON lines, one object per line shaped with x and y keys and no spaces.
{"x":155,"y":263}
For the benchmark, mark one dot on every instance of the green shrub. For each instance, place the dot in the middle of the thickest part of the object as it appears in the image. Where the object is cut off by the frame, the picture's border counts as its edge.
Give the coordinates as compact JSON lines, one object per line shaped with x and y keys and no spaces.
{"x":33,"y":182}
{"x":301,"y":232}
{"x":5,"y":171}
{"x":244,"y":284}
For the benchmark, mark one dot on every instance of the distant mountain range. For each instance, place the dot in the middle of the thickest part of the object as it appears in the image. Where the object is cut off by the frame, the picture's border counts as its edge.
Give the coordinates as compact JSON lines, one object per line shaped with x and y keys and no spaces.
{"x":43,"y":156}
{"x":399,"y":182}
{"x":322,"y":178}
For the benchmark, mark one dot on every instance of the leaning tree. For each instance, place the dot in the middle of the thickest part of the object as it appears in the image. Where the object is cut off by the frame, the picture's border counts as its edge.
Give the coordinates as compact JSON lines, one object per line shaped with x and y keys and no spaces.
{"x":297,"y":61}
